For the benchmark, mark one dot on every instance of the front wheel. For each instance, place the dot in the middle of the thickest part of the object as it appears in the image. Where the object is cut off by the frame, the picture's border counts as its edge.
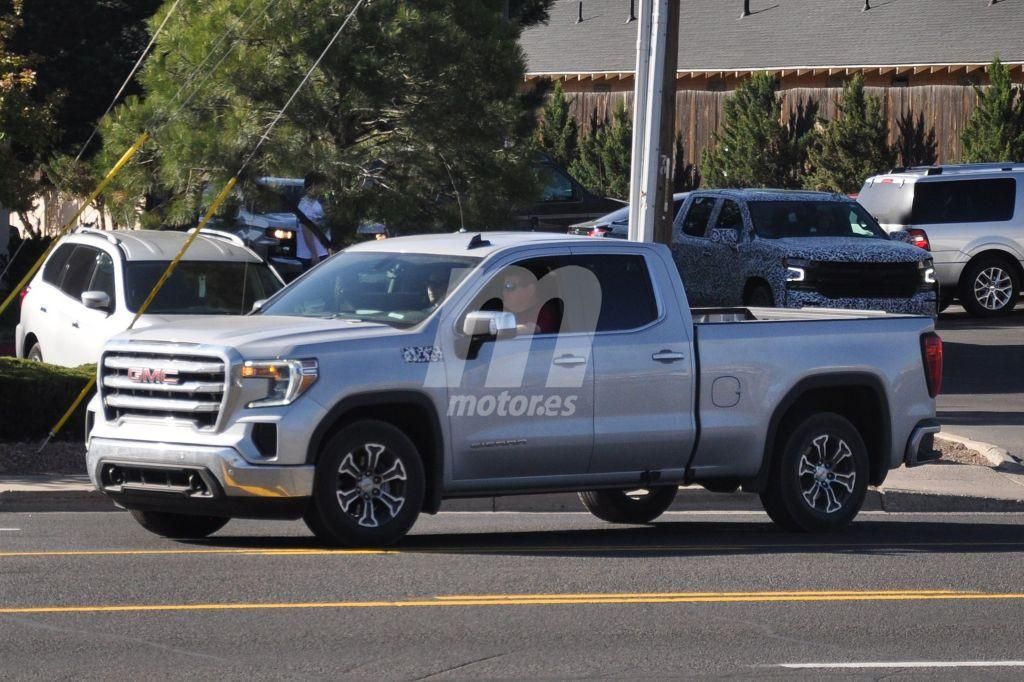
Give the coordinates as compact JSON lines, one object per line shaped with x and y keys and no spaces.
{"x":621,"y":506}
{"x":989,"y":287}
{"x":368,"y":488}
{"x":819,"y":477}
{"x":179,"y":526}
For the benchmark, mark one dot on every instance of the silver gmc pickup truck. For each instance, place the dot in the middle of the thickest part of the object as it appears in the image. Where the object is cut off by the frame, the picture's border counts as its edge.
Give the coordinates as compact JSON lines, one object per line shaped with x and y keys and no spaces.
{"x":404,"y":372}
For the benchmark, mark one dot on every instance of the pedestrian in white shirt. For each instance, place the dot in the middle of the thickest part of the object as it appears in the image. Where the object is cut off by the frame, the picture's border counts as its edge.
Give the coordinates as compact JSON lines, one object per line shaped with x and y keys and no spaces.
{"x":308,"y":247}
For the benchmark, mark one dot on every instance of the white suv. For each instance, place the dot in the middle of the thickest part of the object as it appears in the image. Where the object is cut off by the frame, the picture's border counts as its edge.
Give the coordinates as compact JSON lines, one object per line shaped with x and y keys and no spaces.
{"x":971,"y":217}
{"x":93,"y":283}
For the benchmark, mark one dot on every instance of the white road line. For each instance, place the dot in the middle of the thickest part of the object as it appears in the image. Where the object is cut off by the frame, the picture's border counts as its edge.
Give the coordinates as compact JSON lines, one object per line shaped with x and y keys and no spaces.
{"x":10,"y":530}
{"x":909,"y":664}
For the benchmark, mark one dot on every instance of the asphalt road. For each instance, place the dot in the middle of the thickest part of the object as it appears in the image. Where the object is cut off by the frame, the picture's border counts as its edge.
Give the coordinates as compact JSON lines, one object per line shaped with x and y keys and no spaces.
{"x":485,"y":595}
{"x":983,"y":389}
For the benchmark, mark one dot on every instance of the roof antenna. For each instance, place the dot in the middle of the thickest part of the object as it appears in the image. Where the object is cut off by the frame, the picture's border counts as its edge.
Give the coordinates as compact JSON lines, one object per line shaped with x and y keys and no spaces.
{"x":458,"y":197}
{"x":476,"y":242}
{"x":579,"y":17}
{"x":867,"y":5}
{"x":746,"y":9}
{"x":632,"y":11}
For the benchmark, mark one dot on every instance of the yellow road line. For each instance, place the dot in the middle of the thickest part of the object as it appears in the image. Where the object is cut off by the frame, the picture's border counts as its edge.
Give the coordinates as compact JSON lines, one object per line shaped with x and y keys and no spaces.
{"x":539,"y":600}
{"x":483,"y":549}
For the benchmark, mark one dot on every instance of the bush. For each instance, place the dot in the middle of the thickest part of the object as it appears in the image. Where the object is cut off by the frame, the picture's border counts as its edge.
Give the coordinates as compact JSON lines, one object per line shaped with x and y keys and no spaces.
{"x":34,"y":396}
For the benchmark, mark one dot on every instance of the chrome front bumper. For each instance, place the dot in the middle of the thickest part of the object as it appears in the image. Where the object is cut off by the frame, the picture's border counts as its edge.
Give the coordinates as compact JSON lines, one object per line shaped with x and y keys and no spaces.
{"x":234,"y":476}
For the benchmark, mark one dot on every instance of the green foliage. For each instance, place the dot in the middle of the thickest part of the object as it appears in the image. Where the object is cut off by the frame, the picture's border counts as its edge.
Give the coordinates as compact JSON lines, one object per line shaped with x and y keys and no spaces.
{"x":82,"y":52}
{"x":25,"y":124}
{"x":603,"y":165}
{"x":753,"y":148}
{"x":416,"y":107}
{"x":852,"y":147}
{"x":914,"y":145}
{"x":995,"y":131}
{"x":34,"y":396}
{"x":558,"y":132}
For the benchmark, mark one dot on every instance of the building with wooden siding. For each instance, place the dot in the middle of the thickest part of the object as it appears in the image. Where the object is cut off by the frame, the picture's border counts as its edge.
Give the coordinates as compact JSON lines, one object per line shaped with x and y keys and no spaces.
{"x":922,"y":57}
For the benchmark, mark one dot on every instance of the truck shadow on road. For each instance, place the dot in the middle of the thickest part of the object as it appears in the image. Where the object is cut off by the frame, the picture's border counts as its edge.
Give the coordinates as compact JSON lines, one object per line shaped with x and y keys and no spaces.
{"x":692,"y":538}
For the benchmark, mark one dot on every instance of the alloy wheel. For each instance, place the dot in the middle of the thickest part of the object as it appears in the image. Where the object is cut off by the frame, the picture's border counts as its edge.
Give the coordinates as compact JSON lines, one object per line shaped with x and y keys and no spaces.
{"x":827,"y":474}
{"x":993,"y":288}
{"x":371,"y":485}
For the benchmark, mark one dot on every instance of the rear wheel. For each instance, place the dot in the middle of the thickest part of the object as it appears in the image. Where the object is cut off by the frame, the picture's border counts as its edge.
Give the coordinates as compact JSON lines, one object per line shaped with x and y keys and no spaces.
{"x":369,"y":486}
{"x":621,"y":506}
{"x":819,"y":477}
{"x":989,"y":287}
{"x":35,"y":353}
{"x":179,"y":526}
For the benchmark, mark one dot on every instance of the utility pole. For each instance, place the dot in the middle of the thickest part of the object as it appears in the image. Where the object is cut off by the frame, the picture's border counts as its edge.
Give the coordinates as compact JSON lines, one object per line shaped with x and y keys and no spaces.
{"x":650,"y":192}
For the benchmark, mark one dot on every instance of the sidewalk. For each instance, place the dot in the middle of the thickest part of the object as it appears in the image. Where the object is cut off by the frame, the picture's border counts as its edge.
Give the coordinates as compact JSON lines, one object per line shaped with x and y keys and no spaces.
{"x":931,"y":488}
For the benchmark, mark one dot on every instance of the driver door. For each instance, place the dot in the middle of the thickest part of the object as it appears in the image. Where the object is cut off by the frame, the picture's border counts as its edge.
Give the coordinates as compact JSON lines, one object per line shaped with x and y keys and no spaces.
{"x":520,"y":410}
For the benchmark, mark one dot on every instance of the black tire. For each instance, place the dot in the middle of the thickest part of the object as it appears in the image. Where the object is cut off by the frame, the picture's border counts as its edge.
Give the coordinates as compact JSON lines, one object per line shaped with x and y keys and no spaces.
{"x":760,"y":296}
{"x":616,"y":506}
{"x":989,"y":287}
{"x":179,"y":526}
{"x":795,"y":497}
{"x":35,"y":353}
{"x":377,"y":510}
{"x":945,"y":300}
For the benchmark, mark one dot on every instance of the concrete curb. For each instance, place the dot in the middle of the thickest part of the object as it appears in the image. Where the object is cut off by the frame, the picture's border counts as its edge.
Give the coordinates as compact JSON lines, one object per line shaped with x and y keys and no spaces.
{"x":996,"y":455}
{"x":690,"y":499}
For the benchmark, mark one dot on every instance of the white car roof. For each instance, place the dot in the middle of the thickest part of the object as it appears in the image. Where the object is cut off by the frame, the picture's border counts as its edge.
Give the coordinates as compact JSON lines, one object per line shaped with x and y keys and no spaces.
{"x":163,"y":245}
{"x":475,"y":244}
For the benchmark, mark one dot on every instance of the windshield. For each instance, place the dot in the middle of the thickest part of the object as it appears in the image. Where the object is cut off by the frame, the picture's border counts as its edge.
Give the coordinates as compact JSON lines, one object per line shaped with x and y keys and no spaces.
{"x":399,"y":289}
{"x":200,"y":287}
{"x":779,"y":219}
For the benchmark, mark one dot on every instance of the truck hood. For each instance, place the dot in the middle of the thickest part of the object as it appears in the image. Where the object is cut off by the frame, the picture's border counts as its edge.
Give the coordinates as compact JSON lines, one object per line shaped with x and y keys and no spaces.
{"x":257,"y":332}
{"x":848,"y":250}
{"x":286,"y":221}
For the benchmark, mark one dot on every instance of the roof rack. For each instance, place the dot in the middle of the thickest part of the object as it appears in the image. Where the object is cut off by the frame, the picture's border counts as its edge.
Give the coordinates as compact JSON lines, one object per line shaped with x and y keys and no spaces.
{"x":222,"y":235}
{"x":99,"y":233}
{"x":961,"y":168}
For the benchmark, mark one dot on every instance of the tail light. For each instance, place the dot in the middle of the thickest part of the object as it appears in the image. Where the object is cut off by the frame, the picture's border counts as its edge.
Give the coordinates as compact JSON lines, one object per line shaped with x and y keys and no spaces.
{"x":919,"y":238}
{"x":598,"y":232}
{"x":931,"y":354}
{"x":24,"y":293}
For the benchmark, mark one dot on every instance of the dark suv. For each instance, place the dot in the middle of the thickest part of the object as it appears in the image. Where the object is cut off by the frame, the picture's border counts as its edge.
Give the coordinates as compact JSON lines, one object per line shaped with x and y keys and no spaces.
{"x":563,"y":202}
{"x":795,"y":250}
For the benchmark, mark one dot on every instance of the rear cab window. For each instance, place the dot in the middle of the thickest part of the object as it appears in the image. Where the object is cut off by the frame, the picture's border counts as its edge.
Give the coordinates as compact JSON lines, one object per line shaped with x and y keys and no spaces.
{"x":55,"y":265}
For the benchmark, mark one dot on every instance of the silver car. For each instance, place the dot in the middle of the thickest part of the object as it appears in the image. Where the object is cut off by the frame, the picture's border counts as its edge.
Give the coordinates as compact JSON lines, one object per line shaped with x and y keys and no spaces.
{"x":970,"y":217}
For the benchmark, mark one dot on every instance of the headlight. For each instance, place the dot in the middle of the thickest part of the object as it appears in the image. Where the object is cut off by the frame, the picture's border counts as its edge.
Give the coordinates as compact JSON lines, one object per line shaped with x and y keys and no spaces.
{"x":795,"y":274}
{"x":286,"y":379}
{"x":929,"y":275}
{"x":283,"y":235}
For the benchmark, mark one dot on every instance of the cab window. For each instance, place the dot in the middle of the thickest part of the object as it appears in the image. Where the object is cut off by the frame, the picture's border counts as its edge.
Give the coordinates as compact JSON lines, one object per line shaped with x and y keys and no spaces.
{"x":695,"y":224}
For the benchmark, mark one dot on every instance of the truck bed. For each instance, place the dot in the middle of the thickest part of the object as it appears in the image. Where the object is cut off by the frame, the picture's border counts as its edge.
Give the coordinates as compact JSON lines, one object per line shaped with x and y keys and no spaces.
{"x":704,"y":316}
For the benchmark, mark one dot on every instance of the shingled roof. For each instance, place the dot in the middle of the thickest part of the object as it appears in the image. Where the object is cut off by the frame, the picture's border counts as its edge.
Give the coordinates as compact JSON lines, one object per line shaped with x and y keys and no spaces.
{"x":784,"y":35}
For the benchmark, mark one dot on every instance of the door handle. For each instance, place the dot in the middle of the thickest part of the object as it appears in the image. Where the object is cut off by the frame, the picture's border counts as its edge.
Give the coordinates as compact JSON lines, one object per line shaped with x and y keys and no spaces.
{"x":42,"y":308}
{"x":668,"y":356}
{"x":569,"y":360}
{"x":75,"y":325}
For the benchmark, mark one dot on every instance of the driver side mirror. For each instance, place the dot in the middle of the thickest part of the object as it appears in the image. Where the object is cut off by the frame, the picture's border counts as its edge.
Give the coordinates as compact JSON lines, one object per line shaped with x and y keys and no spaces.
{"x":727,"y":236}
{"x":96,"y":300}
{"x":901,"y":236}
{"x":489,"y":323}
{"x":256,"y":305}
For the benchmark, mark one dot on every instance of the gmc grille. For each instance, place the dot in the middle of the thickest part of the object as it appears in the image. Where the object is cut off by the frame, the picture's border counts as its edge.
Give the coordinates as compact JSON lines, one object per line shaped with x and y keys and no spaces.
{"x":177,"y":386}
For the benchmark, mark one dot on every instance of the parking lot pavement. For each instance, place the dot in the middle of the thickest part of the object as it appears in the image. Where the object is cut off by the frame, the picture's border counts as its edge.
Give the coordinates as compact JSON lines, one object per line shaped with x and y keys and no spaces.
{"x":471,"y":595}
{"x":983,"y":389}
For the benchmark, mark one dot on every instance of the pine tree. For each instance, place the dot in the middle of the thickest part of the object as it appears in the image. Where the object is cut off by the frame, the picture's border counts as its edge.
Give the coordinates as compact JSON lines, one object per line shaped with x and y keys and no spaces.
{"x":852,"y":147}
{"x":753,"y":148}
{"x":558,"y":131}
{"x":995,"y":131}
{"x":416,"y":110}
{"x":603,"y":165}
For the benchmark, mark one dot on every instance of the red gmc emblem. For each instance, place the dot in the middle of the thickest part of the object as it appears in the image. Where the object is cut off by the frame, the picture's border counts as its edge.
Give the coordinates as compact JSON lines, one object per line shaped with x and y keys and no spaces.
{"x":145,"y":375}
